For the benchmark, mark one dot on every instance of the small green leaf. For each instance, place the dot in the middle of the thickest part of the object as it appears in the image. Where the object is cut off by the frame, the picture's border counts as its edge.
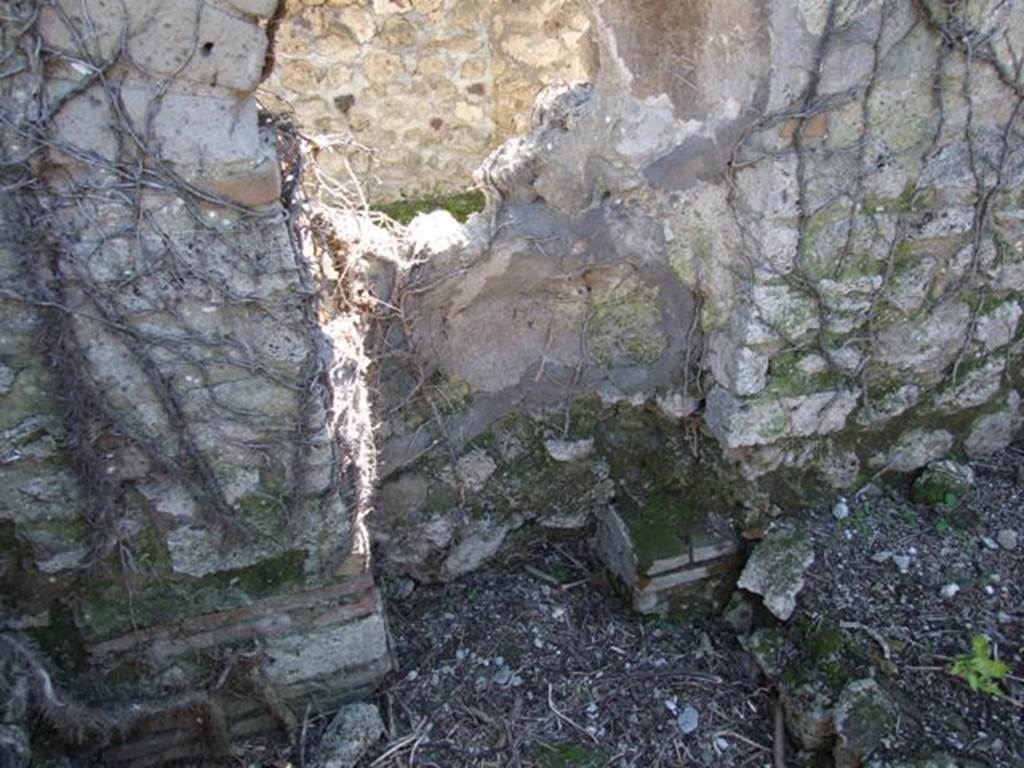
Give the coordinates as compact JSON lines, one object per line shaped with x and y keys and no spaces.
{"x":979,"y":670}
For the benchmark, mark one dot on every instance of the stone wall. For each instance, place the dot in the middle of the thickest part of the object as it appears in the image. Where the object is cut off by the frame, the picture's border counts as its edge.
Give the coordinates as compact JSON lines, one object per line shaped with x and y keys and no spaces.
{"x":430,"y":86}
{"x":182,"y":417}
{"x":776,"y":251}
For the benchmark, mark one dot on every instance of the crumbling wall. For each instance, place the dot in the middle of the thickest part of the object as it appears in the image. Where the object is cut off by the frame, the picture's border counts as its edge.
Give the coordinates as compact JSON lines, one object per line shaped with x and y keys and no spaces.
{"x":790,"y":233}
{"x":430,"y":86}
{"x":184,"y":428}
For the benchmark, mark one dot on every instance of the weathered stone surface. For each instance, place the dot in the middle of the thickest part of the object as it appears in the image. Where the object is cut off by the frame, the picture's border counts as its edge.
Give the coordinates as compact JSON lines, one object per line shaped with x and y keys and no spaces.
{"x":702,"y":239}
{"x":809,"y":714}
{"x":14,"y":747}
{"x":776,"y":569}
{"x":995,"y":431}
{"x":433,"y":85}
{"x":863,"y":716}
{"x":182,"y":443}
{"x":350,"y":734}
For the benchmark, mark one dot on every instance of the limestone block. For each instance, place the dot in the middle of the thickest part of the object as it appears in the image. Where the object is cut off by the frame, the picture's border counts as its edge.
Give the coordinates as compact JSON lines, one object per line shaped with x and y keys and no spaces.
{"x":382,"y":68}
{"x":914,"y":449}
{"x":360,"y":23}
{"x":264,"y":8}
{"x":998,"y":328}
{"x":67,"y":24}
{"x":767,"y":419}
{"x":925,"y":347}
{"x":189,"y":130}
{"x":427,"y":6}
{"x":215,"y":50}
{"x":996,"y":430}
{"x":397,"y":32}
{"x":776,"y":569}
{"x":255,"y":187}
{"x":386,"y":7}
{"x":337,"y":650}
{"x":199,"y":131}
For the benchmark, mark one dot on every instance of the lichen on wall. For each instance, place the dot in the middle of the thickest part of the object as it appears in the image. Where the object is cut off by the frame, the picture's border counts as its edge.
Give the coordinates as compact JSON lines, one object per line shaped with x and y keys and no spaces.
{"x":794,"y":227}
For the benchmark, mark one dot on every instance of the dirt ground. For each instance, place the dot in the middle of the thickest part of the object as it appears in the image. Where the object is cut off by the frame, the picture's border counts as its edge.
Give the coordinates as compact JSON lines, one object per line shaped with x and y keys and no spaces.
{"x":535,"y":661}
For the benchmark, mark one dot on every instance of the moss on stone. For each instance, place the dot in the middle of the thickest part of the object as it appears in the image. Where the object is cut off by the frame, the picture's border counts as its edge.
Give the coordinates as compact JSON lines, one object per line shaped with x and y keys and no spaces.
{"x":263,"y":514}
{"x":523,"y":481}
{"x":624,"y":327}
{"x":159,"y":600}
{"x":60,"y":639}
{"x":786,"y":379}
{"x":461,"y":206}
{"x":31,"y":394}
{"x":71,"y":530}
{"x":668,"y":484}
{"x":151,"y":551}
{"x":825,"y":653}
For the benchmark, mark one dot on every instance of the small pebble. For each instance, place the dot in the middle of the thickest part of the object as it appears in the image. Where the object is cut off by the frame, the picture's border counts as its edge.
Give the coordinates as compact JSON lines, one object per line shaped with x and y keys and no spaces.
{"x":721,"y":744}
{"x":412,"y":675}
{"x":902,"y":563}
{"x":949,"y":591}
{"x":688,"y":720}
{"x":841,"y":510}
{"x":1007,"y":538}
{"x":989,"y":543}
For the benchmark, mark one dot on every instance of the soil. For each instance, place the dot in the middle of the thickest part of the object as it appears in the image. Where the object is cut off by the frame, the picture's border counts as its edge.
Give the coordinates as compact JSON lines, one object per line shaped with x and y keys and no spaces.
{"x":536,"y":661}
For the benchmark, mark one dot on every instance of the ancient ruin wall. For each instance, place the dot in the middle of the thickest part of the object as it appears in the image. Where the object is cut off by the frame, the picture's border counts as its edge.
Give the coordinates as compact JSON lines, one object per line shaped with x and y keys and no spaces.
{"x":430,"y":86}
{"x":184,"y":443}
{"x":775,"y":249}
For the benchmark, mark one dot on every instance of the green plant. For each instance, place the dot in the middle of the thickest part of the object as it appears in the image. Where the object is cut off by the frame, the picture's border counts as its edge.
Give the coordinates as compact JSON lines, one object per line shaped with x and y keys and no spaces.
{"x":979,"y":669}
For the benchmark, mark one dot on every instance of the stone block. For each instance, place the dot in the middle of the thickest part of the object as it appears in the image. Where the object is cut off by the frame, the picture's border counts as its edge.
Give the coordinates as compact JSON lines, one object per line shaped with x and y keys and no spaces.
{"x":665,"y":558}
{"x":191,"y":131}
{"x":216,"y":50}
{"x":263,"y":8}
{"x":254,"y":187}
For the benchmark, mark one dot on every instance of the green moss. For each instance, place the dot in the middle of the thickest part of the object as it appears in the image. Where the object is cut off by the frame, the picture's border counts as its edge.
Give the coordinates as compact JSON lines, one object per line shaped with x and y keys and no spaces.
{"x":151,"y":551}
{"x":8,"y":537}
{"x":263,"y":514}
{"x":525,"y":481}
{"x":73,"y":530}
{"x":659,"y":525}
{"x":668,"y":483}
{"x":31,"y":394}
{"x":60,"y":639}
{"x":461,"y":206}
{"x":159,"y":600}
{"x":624,"y":327}
{"x":825,"y":653}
